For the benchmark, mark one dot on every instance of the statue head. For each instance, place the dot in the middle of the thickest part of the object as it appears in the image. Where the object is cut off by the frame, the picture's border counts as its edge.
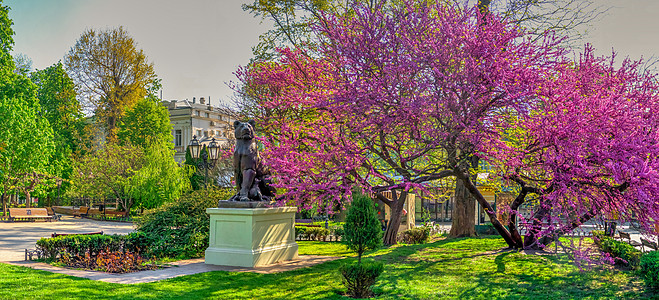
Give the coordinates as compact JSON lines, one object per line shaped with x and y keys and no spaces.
{"x":244,"y":130}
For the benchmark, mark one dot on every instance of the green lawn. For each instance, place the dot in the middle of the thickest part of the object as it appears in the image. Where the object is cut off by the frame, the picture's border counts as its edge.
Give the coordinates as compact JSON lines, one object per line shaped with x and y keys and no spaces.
{"x":451,"y":269}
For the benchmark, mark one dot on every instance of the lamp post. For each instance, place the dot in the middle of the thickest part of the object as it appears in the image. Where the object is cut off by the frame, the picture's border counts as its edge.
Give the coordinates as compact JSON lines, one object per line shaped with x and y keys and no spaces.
{"x":209,"y":157}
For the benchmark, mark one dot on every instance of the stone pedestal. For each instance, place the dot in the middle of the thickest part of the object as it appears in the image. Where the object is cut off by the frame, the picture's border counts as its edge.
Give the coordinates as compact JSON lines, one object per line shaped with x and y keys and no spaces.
{"x":251,"y":237}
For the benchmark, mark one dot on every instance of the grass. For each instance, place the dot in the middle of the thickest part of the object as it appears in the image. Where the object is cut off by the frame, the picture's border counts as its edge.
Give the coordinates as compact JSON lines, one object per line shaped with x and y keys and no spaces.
{"x":474,"y":268}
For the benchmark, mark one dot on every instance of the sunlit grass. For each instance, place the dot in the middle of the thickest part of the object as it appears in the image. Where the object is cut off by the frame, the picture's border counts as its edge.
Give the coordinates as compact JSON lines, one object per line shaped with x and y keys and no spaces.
{"x":475,"y":268}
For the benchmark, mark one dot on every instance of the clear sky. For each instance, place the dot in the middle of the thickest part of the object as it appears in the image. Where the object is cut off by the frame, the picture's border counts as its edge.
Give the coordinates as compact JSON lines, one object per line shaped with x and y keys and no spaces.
{"x":196,"y":45}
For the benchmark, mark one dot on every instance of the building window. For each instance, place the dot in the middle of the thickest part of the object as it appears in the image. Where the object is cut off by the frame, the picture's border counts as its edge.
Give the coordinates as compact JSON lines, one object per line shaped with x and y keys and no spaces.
{"x":178,"y":137}
{"x":198,"y":113}
{"x":199,"y":133}
{"x":207,"y":115}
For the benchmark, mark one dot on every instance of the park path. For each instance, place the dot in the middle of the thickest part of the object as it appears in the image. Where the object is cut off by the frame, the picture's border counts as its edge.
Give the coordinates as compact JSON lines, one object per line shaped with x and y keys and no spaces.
{"x":17,"y":236}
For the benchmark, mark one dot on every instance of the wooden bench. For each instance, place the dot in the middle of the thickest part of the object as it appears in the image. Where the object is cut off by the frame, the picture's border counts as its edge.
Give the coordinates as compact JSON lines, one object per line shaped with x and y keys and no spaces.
{"x":649,"y":244}
{"x":83,"y":211}
{"x":29,"y":214}
{"x":628,"y":238}
{"x":114,"y":213}
{"x":52,"y":213}
{"x":55,"y":234}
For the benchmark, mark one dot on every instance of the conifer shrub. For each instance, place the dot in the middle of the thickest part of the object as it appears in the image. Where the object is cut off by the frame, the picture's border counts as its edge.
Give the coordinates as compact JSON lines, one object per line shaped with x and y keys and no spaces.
{"x":362,"y":232}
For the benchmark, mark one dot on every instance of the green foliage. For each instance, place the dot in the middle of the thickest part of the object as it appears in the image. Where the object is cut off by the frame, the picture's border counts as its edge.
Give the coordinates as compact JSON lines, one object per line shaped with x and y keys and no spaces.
{"x":145,"y":124}
{"x":627,"y":254}
{"x":146,"y":178}
{"x":6,"y":37}
{"x":108,"y":172}
{"x":649,"y":269}
{"x":57,"y":97}
{"x":26,"y":138}
{"x":362,"y":228}
{"x":160,"y":180}
{"x":81,"y":245}
{"x":181,"y":228}
{"x":359,"y":278}
{"x":416,"y":235}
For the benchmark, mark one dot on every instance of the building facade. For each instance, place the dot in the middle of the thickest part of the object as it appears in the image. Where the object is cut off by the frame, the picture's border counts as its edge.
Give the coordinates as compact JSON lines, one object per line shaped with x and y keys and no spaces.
{"x":200,"y":119}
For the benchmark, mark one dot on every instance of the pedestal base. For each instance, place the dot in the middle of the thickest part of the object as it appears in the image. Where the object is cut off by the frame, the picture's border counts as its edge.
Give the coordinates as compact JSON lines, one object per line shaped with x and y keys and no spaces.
{"x":251,"y":237}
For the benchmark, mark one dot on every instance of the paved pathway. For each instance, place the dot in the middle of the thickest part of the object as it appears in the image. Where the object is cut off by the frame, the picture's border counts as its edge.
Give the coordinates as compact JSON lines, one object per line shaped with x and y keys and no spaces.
{"x":17,"y":236}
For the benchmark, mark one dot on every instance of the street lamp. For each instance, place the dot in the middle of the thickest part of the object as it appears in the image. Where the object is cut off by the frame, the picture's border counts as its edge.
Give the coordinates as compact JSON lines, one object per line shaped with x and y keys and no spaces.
{"x":209,"y":157}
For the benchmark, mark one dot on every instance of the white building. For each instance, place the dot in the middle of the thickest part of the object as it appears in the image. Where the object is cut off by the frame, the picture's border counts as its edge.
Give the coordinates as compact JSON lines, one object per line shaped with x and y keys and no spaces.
{"x":200,"y":119}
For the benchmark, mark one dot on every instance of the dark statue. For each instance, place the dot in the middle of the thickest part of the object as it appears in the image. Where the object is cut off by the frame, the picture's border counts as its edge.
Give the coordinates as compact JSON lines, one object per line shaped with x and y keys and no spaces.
{"x":252,"y":178}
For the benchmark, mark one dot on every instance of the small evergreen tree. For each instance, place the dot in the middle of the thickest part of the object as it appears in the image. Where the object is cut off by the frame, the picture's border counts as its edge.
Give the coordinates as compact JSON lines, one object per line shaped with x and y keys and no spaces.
{"x":362,"y":232}
{"x":362,"y":229}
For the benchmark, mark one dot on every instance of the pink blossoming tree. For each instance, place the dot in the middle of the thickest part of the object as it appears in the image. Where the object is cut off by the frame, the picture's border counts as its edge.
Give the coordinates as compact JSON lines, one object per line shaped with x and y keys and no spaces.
{"x":408,"y":94}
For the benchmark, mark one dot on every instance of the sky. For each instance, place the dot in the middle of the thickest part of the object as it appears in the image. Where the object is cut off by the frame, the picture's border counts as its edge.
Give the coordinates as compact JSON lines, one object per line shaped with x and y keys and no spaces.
{"x":196,"y":45}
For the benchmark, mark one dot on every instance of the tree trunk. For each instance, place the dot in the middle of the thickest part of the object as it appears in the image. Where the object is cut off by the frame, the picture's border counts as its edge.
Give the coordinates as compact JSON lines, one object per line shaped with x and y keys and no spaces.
{"x":4,"y":204}
{"x":27,"y":199}
{"x":464,"y":212}
{"x":391,"y":234}
{"x":505,"y":234}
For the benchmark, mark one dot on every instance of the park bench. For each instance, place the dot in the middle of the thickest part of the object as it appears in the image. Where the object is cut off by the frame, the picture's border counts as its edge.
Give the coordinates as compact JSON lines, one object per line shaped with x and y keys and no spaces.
{"x":29,"y":214}
{"x":55,"y":234}
{"x":649,"y":244}
{"x":83,"y":211}
{"x":628,"y":238}
{"x":52,"y":213}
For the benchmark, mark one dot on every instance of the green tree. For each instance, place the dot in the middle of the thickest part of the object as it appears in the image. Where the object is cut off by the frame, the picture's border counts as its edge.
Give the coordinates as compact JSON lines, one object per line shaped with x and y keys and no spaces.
{"x":26,"y":138}
{"x":145,"y":124}
{"x":57,"y":97}
{"x":362,"y":229}
{"x":362,"y":232}
{"x":161,"y":179}
{"x":110,"y":73}
{"x":108,"y":172}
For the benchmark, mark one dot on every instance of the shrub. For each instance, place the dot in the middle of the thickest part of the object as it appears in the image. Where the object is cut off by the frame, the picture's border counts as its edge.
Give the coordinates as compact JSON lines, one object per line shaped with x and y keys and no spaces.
{"x":301,"y":232}
{"x":361,"y":232}
{"x":359,"y":278}
{"x":181,"y":228}
{"x":629,"y":255}
{"x":337,"y":231}
{"x":80,"y":245}
{"x":486,"y":229}
{"x":416,"y":235}
{"x":317,"y":233}
{"x":362,"y":228}
{"x":649,"y":265}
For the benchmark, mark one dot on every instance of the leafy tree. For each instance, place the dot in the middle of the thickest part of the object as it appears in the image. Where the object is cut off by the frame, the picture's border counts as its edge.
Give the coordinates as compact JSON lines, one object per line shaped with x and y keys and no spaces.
{"x":134,"y":176}
{"x":108,"y":172}
{"x":161,"y":179}
{"x":145,"y":124}
{"x":23,"y":64}
{"x":26,"y":138}
{"x":110,"y":73}
{"x":57,"y":97}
